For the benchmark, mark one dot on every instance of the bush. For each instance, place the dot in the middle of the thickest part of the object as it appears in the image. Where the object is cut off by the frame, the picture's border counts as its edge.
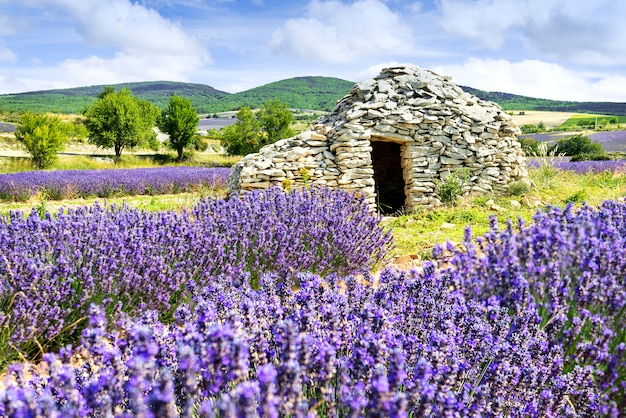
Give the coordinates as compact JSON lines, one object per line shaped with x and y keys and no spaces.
{"x":518,"y":188}
{"x":529,"y":145}
{"x":42,"y":136}
{"x":200,"y":143}
{"x":577,"y":145}
{"x":591,"y":157}
{"x":451,"y":188}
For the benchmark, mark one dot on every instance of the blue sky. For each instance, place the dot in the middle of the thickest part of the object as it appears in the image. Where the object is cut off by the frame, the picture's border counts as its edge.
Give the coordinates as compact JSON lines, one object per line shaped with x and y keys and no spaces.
{"x":557,"y":49}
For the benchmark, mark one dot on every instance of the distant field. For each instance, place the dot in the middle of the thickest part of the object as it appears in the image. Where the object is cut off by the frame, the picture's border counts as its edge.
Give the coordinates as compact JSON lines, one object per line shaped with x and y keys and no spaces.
{"x":534,"y":117}
{"x":577,"y":119}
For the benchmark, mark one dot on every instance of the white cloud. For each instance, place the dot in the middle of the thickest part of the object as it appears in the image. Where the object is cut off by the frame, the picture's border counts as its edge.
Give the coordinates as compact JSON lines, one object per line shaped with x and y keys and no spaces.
{"x":537,"y":79}
{"x":6,"y":25}
{"x":148,"y":45}
{"x":583,"y":32}
{"x":334,"y":31}
{"x":484,"y":21}
{"x":6,"y":55}
{"x":12,"y":84}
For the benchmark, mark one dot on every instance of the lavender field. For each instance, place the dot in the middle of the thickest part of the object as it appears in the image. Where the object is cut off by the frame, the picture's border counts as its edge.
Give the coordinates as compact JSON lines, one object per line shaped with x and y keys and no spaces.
{"x":264,"y":306}
{"x":582,"y":167}
{"x":68,"y":184}
{"x":610,"y":140}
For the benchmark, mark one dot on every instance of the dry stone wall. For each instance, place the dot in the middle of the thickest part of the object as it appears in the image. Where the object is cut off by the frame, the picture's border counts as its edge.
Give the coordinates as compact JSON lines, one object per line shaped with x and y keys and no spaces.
{"x":406,"y":116}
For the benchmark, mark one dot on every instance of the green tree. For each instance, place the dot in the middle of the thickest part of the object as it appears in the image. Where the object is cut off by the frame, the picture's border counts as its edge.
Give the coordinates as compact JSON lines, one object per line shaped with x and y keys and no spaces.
{"x":244,"y":136}
{"x":42,"y":136}
{"x":275,"y":119}
{"x":119,"y":120}
{"x":578,"y":145}
{"x":180,"y":121}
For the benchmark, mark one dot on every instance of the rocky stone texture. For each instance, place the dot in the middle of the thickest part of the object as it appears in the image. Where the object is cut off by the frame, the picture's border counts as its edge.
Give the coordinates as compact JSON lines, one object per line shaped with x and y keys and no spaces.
{"x":438,"y":129}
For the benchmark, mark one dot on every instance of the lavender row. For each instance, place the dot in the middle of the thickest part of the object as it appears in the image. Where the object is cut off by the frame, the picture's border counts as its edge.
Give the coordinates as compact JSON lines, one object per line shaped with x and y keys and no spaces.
{"x":583,"y":167}
{"x":568,"y":265}
{"x":413,"y":346}
{"x":65,"y":184}
{"x":51,"y":269}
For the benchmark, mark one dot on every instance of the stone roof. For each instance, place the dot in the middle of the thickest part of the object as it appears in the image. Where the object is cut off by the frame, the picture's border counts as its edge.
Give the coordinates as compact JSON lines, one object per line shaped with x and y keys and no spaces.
{"x":438,"y":127}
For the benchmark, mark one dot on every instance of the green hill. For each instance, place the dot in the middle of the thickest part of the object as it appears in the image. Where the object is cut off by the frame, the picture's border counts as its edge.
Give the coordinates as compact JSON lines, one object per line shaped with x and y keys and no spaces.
{"x":315,"y":93}
{"x":510,"y":101}
{"x":75,"y":100}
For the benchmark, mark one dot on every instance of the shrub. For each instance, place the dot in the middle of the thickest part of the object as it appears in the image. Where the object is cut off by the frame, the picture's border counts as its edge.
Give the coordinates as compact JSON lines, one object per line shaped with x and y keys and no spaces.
{"x":42,"y":136}
{"x":602,"y":156}
{"x":529,"y":145}
{"x":451,"y":188}
{"x":518,"y":188}
{"x":577,"y":145}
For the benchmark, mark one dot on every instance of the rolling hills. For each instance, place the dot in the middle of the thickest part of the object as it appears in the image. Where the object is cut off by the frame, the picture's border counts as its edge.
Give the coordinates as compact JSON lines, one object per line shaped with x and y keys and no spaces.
{"x":313,"y":92}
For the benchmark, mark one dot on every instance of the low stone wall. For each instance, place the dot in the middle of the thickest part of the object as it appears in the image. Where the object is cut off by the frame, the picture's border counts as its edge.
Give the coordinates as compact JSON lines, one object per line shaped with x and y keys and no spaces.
{"x":438,"y":127}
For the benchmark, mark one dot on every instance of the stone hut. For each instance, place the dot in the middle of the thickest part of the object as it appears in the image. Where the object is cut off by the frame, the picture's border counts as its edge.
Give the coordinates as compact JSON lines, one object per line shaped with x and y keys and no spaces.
{"x":393,"y":139}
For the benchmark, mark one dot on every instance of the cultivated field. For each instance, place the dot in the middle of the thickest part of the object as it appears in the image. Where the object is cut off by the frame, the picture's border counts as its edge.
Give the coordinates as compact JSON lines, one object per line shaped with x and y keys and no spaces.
{"x":306,"y":303}
{"x":534,"y":117}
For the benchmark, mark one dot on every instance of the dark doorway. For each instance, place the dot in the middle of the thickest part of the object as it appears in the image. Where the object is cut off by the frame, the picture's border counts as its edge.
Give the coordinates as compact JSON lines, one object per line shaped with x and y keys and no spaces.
{"x":388,"y":176}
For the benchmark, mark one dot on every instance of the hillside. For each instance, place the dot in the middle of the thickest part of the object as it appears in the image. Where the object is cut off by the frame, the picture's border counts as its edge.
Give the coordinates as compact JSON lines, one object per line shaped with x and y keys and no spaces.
{"x":75,"y":100}
{"x":510,"y":101}
{"x":316,"y":93}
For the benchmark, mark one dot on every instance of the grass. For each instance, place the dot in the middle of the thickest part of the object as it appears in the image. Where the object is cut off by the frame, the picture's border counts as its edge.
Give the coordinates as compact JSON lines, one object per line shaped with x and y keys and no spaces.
{"x":417,"y":233}
{"x":173,"y":202}
{"x":105,"y":161}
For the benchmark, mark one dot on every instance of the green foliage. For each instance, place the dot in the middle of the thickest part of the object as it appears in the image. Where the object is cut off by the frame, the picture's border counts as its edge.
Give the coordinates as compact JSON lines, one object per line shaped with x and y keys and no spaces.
{"x":42,"y":136}
{"x":200,"y":143}
{"x":451,"y":188}
{"x":529,"y":129}
{"x":119,"y":120}
{"x":577,"y":145}
{"x":275,"y":119}
{"x":251,"y":132}
{"x":591,"y":157}
{"x":243,"y":137}
{"x":180,"y":121}
{"x":518,"y":188}
{"x":529,"y":145}
{"x":75,"y":130}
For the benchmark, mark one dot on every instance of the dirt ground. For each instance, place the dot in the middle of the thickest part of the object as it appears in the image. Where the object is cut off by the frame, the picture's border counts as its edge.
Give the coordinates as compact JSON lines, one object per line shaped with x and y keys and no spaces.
{"x":534,"y":117}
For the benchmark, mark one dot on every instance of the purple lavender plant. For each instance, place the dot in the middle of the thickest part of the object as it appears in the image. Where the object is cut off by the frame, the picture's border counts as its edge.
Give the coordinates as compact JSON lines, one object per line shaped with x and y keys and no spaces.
{"x":569,"y":264}
{"x":67,"y":184}
{"x":53,"y":268}
{"x":419,"y":347}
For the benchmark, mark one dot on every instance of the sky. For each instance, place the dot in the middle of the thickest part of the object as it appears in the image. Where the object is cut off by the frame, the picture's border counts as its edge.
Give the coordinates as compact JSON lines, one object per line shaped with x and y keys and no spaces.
{"x":554,"y":49}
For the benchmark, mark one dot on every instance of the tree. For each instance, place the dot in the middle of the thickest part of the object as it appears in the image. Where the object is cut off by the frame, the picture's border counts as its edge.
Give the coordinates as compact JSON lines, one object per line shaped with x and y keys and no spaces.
{"x":42,"y":136}
{"x":275,"y":119}
{"x":180,"y":121}
{"x":250,"y":132}
{"x":578,"y":145}
{"x":244,"y":136}
{"x":119,"y":120}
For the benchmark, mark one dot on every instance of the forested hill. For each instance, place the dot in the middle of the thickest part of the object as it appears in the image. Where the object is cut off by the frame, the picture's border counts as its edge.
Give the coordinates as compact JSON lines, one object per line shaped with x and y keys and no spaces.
{"x":510,"y":101}
{"x":316,"y":93}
